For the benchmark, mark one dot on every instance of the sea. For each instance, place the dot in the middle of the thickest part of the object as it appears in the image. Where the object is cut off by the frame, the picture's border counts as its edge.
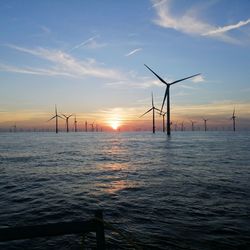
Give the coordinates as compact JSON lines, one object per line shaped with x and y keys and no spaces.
{"x":190,"y":190}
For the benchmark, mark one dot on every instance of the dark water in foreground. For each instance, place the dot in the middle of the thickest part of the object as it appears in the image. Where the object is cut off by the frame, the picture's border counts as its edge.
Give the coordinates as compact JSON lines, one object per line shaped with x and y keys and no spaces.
{"x":190,"y":191}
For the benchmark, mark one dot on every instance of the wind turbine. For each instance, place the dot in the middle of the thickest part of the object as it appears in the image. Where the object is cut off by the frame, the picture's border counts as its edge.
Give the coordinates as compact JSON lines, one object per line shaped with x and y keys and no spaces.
{"x":192,"y":124}
{"x":205,"y":124}
{"x":152,"y":109}
{"x":67,"y":121}
{"x":92,"y":126}
{"x":233,"y":118}
{"x":167,"y":94}
{"x":55,"y":116}
{"x":14,"y":128}
{"x":75,"y":124}
{"x":182,"y":126}
{"x":175,"y":126}
{"x":163,"y":114}
{"x":86,"y":126}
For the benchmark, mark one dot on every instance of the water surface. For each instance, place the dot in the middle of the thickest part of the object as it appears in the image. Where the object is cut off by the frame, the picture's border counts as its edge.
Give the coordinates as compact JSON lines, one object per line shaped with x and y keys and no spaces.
{"x":187,"y":191}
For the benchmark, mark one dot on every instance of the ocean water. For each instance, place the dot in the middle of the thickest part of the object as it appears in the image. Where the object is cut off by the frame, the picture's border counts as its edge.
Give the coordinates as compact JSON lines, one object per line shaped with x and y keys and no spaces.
{"x":187,"y":191}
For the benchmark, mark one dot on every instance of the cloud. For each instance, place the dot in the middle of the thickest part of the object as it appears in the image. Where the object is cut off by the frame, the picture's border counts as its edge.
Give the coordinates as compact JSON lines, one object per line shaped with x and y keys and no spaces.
{"x":227,"y":28}
{"x":189,"y":23}
{"x":63,"y":64}
{"x":133,"y":52}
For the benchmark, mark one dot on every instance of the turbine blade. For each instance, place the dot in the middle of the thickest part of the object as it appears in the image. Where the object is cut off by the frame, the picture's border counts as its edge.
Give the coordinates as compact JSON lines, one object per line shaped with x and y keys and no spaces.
{"x":234,"y":112}
{"x":183,"y":79}
{"x":156,"y":75}
{"x":166,"y":93}
{"x":64,"y":115}
{"x":59,"y":116}
{"x":159,"y":111}
{"x":152,"y":99}
{"x":146,"y":112}
{"x":51,"y":118}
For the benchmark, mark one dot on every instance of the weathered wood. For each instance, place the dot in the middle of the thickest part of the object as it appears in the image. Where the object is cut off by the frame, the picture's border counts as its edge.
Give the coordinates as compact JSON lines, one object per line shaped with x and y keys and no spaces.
{"x":100,"y":236}
{"x":55,"y":229}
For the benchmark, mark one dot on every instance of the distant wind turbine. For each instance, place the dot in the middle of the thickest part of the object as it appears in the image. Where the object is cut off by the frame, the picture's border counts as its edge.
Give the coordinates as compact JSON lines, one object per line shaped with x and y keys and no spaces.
{"x":182,"y":126}
{"x":205,"y":124}
{"x":163,"y":114}
{"x":55,"y":116}
{"x":167,"y":94}
{"x":192,"y":124}
{"x":92,"y":126}
{"x":152,"y":109}
{"x":14,"y":127}
{"x":67,"y":121}
{"x":86,"y":126}
{"x":233,"y":118}
{"x":75,"y":124}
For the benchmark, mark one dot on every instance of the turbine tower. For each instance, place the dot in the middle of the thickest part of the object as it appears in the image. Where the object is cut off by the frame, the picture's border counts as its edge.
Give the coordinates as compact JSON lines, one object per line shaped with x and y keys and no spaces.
{"x":233,"y":118}
{"x":152,"y":109}
{"x":86,"y":126}
{"x":67,"y":121}
{"x":167,"y":94}
{"x":55,"y":116}
{"x":163,"y":114}
{"x":92,"y":126}
{"x":205,"y":124}
{"x":75,"y":124}
{"x":192,"y":124}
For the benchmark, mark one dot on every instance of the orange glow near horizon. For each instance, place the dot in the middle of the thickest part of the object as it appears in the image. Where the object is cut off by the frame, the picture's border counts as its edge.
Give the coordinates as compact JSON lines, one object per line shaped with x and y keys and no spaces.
{"x":114,"y":124}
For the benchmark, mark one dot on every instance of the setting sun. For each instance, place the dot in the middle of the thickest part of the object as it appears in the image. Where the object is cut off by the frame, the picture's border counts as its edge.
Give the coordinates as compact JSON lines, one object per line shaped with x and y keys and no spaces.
{"x":114,"y":124}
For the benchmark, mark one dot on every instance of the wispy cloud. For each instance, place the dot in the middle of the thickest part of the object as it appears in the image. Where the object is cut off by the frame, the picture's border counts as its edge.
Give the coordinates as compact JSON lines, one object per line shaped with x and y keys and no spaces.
{"x":227,"y":28}
{"x":63,"y":64}
{"x":133,"y":52}
{"x":90,"y":43}
{"x":190,"y":24}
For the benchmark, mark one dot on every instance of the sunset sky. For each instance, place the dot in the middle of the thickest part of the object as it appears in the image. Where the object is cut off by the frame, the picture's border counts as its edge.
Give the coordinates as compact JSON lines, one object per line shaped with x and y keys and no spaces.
{"x":88,"y":58}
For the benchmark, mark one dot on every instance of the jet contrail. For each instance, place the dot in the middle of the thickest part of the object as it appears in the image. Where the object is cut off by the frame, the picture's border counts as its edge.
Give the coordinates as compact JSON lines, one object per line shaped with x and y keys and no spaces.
{"x":83,"y":43}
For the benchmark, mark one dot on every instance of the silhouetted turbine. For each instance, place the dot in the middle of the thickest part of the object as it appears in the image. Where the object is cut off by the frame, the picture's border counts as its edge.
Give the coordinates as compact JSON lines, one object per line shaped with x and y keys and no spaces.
{"x":75,"y":124}
{"x":233,"y":118}
{"x":67,"y":121}
{"x":86,"y":126}
{"x":167,"y":94}
{"x":205,"y":124}
{"x":92,"y":126}
{"x":153,"y":108}
{"x":182,"y":126}
{"x":163,"y":114}
{"x":192,"y":122}
{"x":56,"y":116}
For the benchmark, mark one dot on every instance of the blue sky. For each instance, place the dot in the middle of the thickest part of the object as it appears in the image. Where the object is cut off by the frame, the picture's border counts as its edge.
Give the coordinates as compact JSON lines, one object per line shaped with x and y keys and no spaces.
{"x":88,"y":56}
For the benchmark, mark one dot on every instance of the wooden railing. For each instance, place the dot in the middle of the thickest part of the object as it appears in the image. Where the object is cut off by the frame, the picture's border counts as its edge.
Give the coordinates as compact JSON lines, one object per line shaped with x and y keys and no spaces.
{"x":54,"y":229}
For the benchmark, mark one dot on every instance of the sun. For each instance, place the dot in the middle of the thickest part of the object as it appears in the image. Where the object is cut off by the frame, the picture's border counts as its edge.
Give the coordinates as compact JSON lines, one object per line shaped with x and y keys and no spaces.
{"x":114,"y":124}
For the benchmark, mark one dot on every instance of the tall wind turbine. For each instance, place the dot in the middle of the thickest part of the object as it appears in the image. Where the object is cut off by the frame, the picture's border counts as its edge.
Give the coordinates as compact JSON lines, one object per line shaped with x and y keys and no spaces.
{"x":205,"y":124}
{"x":152,"y":109}
{"x":167,"y":94}
{"x":55,"y":116}
{"x":233,"y":118}
{"x":67,"y":121}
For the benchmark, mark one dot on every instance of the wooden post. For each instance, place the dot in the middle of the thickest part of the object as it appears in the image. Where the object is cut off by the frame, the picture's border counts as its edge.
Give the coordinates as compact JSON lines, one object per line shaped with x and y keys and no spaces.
{"x":100,"y":236}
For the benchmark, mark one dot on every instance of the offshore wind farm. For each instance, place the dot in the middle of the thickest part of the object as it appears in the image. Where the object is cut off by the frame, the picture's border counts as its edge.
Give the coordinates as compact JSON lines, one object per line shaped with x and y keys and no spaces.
{"x":98,"y":150}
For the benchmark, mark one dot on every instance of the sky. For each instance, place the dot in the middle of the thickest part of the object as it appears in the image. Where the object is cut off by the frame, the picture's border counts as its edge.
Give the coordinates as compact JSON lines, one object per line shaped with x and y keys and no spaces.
{"x":88,"y":57}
